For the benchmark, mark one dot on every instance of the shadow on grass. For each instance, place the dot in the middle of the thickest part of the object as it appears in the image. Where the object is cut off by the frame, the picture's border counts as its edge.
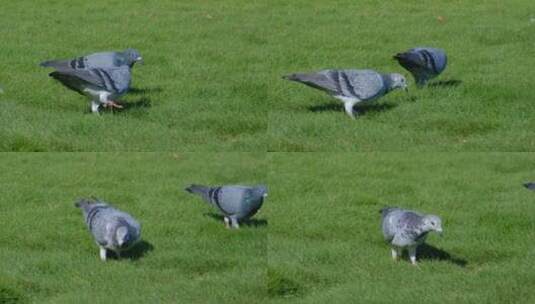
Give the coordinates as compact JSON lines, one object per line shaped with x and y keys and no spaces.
{"x":429,"y":252}
{"x":360,"y":110}
{"x":249,"y":223}
{"x":137,"y":91}
{"x":138,"y":251}
{"x":445,"y":83}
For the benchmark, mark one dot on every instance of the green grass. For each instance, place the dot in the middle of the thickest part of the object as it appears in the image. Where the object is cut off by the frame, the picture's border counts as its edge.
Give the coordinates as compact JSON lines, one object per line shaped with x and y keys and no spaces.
{"x":203,"y":85}
{"x":325,"y":244}
{"x":48,"y":256}
{"x":322,"y":242}
{"x":488,"y":44}
{"x":212,"y":78}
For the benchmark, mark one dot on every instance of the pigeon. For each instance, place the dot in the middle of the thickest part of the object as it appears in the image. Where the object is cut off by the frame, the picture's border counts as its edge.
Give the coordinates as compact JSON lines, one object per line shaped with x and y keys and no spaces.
{"x":530,"y":186}
{"x":351,"y":86}
{"x":97,"y":60}
{"x":424,"y":63}
{"x":407,"y":229}
{"x":235,"y":202}
{"x":102,"y":85}
{"x":112,"y":229}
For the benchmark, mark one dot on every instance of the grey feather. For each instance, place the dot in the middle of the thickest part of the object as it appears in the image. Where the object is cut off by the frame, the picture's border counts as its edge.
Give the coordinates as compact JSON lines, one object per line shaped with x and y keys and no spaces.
{"x":235,"y":202}
{"x":351,"y":86}
{"x":424,"y":63}
{"x":113,"y":80}
{"x":106,"y":225}
{"x":97,"y":60}
{"x":407,"y":229}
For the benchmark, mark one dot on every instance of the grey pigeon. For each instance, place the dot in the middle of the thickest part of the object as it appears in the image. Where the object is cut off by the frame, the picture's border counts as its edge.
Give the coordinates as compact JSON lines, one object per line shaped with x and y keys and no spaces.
{"x":407,"y":229}
{"x":102,"y":85}
{"x":97,"y":60}
{"x":351,"y":86}
{"x":424,"y":63}
{"x":236,"y":203}
{"x":530,"y":186}
{"x":112,"y":229}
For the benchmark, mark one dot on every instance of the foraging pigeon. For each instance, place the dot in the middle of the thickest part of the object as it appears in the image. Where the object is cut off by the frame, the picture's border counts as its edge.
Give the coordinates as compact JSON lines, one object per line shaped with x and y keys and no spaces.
{"x":424,"y":63}
{"x":530,"y":186}
{"x":112,"y":229}
{"x":235,"y":202}
{"x":103,"y":85}
{"x":98,"y":60}
{"x":405,"y":228}
{"x":351,"y":86}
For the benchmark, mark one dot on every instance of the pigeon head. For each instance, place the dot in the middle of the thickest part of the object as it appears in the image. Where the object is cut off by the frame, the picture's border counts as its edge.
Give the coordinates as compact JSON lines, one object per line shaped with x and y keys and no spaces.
{"x":133,"y":56}
{"x":123,"y":237}
{"x":432,"y":223}
{"x":397,"y":81}
{"x":261,"y":191}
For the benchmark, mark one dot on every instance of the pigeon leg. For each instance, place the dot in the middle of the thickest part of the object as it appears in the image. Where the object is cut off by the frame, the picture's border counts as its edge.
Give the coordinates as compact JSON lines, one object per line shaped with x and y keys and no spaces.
{"x":234,"y":223}
{"x":227,"y":222}
{"x":395,"y":253}
{"x":94,"y":106}
{"x":412,"y":255}
{"x":103,"y":253}
{"x":349,"y":108}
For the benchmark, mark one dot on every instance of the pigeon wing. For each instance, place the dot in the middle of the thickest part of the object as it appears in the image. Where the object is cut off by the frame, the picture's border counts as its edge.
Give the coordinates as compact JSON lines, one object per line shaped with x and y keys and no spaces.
{"x":362,"y":84}
{"x":326,"y":80}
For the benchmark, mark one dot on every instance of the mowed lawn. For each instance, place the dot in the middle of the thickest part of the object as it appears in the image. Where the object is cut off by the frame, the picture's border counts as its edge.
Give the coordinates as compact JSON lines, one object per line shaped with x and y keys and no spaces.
{"x":316,"y":240}
{"x":489,"y":46}
{"x":212,"y":75}
{"x":325,"y":243}
{"x":203,"y":85}
{"x":187,"y":256}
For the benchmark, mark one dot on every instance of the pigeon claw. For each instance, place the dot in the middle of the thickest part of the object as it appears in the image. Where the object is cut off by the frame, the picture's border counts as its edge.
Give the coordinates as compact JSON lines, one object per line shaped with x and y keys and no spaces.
{"x":113,"y":104}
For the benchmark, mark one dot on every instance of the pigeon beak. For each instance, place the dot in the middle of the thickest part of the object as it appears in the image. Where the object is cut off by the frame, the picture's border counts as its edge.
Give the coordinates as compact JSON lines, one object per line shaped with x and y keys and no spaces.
{"x":265,"y":195}
{"x":440,"y":232}
{"x":140,"y":60}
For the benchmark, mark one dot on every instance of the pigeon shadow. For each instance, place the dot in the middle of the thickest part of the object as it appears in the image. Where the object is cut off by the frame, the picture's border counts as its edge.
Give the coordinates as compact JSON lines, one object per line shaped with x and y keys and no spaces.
{"x":360,"y":110}
{"x":530,"y":186}
{"x":137,"y":91}
{"x":429,"y":252}
{"x":143,"y":102}
{"x":138,"y":251}
{"x":257,"y":223}
{"x":445,"y":83}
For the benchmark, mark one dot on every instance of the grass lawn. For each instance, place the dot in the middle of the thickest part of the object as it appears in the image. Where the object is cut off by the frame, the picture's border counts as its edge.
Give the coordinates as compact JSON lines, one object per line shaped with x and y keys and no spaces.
{"x":489,"y":44}
{"x":48,"y":256}
{"x":203,"y":85}
{"x":212,"y":78}
{"x":320,"y":239}
{"x":325,"y":243}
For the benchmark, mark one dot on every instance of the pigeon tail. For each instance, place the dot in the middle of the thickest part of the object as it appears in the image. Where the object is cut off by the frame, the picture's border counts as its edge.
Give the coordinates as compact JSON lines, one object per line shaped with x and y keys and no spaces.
{"x":204,"y":191}
{"x":291,"y":77}
{"x":386,"y":210}
{"x":83,"y":203}
{"x":198,"y":189}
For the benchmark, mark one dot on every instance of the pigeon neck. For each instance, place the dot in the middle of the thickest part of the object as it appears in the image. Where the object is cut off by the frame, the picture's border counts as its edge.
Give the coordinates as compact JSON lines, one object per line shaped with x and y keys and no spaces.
{"x":388,"y":82}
